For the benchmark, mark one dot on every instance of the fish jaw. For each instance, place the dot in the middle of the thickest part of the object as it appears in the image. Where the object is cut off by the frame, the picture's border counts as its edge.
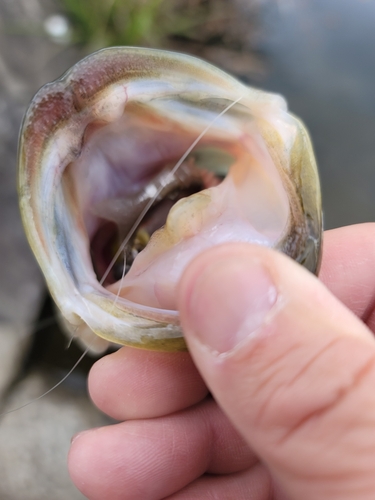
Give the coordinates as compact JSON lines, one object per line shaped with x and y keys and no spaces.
{"x":122,"y":91}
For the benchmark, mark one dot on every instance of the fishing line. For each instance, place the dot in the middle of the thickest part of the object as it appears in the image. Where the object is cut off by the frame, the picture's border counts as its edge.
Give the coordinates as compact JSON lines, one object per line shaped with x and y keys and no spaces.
{"x":161,"y":187}
{"x":71,"y":340}
{"x":122,"y":279}
{"x":38,"y":325}
{"x":49,"y":390}
{"x":48,"y":321}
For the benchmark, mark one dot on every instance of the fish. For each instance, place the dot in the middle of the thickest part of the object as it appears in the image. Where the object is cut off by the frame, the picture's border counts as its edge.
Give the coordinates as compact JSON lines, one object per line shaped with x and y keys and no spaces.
{"x":134,"y":162}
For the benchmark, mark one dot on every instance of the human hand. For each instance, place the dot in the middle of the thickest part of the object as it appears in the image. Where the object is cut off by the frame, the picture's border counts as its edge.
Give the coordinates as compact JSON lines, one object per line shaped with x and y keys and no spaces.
{"x":292,"y":371}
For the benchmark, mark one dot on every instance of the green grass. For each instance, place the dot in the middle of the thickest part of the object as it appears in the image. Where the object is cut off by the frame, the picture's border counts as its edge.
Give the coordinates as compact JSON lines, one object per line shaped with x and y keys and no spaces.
{"x":101,"y":23}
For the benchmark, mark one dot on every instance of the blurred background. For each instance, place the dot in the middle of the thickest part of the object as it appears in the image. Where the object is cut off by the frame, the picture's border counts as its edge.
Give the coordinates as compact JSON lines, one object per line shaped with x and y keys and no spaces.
{"x":318,"y":53}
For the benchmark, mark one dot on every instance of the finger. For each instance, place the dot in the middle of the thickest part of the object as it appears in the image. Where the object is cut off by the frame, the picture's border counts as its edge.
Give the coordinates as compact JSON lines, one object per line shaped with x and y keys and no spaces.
{"x":253,"y":484}
{"x":153,"y":458}
{"x":348,"y":267}
{"x":133,"y":383}
{"x":291,"y":366}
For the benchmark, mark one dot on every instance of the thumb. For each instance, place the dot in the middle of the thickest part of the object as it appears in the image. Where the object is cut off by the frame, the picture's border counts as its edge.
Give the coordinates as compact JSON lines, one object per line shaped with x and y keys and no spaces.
{"x":292,"y":368}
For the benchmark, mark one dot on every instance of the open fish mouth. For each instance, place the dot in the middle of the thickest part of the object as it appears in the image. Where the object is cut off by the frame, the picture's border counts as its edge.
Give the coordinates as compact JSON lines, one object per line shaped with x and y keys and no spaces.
{"x":116,"y":202}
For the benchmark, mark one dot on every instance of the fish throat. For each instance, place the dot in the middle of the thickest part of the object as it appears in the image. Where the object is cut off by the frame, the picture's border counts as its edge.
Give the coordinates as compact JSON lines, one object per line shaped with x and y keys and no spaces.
{"x":118,"y":218}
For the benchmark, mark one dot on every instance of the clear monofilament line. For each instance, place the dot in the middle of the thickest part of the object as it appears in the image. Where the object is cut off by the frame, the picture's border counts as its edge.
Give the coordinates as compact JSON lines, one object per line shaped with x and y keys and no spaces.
{"x":122,"y":279}
{"x":49,"y":390}
{"x":159,"y":190}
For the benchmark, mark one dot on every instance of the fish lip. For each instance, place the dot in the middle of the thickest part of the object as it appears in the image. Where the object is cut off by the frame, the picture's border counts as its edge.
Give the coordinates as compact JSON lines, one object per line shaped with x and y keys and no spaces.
{"x":53,"y":105}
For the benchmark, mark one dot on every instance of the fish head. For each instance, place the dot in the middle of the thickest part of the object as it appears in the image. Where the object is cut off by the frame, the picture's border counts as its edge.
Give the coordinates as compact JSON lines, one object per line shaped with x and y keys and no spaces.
{"x":137,"y":160}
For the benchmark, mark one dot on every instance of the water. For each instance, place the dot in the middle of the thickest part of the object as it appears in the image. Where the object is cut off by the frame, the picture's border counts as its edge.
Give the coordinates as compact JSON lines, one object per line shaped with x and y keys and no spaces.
{"x":322,"y":59}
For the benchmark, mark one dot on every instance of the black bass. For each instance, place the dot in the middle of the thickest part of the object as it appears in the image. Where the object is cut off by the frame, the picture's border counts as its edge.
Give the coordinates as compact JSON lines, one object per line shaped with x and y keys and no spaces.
{"x":135,"y":161}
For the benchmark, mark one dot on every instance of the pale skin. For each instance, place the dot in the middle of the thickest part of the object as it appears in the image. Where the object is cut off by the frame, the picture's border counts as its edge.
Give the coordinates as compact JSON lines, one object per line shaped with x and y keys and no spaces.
{"x":290,"y":361}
